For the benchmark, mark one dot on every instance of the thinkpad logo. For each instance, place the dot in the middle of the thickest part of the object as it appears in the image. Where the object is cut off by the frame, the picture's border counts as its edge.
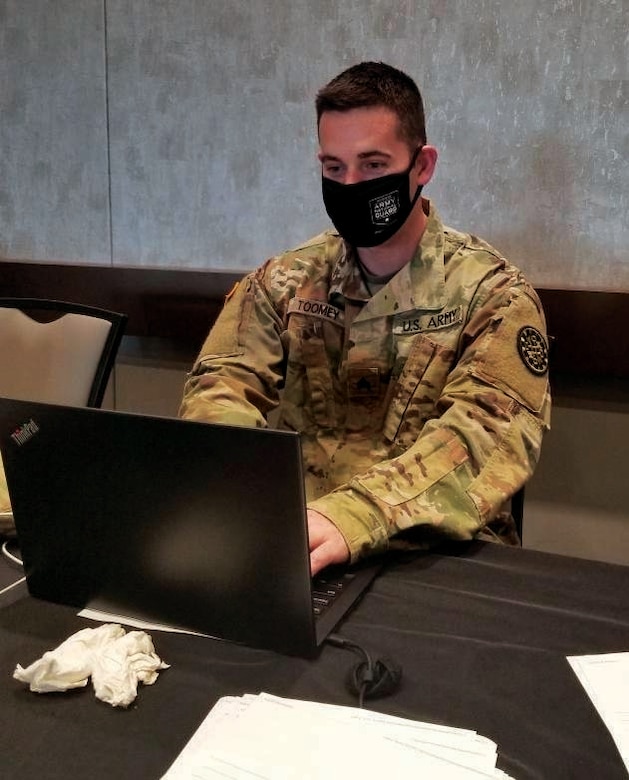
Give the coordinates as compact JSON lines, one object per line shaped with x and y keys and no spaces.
{"x":25,"y":432}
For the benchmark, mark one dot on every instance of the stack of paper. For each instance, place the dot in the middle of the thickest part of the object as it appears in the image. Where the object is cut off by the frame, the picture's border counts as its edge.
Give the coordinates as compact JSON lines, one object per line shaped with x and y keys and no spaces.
{"x":265,"y":736}
{"x":605,"y":677}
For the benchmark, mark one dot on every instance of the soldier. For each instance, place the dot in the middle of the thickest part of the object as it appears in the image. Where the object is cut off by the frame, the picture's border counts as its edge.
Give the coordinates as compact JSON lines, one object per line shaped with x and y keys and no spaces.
{"x":410,"y":356}
{"x":7,"y":527}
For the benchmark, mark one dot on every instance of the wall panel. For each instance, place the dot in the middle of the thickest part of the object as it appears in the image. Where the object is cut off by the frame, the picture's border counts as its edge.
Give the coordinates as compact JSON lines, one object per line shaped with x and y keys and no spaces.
{"x":53,"y":131}
{"x":212,"y":138}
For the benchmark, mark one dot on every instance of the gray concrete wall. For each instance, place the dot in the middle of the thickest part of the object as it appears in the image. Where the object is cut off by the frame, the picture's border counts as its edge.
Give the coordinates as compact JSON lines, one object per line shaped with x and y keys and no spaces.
{"x":53,"y":132}
{"x":181,"y":132}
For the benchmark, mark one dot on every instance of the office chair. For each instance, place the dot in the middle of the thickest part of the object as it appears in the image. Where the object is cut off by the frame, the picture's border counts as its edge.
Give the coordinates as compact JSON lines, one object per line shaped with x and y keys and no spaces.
{"x":57,"y":352}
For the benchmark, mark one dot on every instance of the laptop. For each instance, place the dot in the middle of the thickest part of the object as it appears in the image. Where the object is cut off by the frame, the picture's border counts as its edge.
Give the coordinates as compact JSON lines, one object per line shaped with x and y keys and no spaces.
{"x":195,"y":525}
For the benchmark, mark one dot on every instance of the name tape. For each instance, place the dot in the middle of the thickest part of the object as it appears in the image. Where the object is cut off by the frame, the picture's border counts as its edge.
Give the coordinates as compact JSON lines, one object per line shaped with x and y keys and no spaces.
{"x":321,"y":309}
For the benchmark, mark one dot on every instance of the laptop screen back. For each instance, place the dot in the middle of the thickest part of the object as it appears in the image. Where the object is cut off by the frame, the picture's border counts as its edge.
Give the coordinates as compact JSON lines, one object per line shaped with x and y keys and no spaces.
{"x":197,"y":525}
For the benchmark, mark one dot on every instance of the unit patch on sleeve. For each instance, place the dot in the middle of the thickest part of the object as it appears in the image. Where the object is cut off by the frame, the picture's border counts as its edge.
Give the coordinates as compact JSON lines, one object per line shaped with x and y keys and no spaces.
{"x":512,"y":354}
{"x":533,"y":350}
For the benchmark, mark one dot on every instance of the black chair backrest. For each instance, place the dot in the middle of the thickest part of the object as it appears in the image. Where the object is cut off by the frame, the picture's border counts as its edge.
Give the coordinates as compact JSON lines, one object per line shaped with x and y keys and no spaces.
{"x":46,"y":310}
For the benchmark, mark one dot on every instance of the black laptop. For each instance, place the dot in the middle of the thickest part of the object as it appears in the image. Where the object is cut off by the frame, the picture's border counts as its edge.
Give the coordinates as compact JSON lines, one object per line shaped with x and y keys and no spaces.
{"x":195,"y":525}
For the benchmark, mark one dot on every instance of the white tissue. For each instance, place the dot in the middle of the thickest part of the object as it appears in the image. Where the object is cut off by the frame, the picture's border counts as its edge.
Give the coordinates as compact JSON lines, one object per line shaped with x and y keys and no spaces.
{"x":115,"y":660}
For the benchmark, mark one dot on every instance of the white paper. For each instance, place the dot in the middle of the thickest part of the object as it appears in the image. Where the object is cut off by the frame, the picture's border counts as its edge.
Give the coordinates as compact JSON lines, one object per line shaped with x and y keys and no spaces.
{"x":127,"y":620}
{"x":605,"y":678}
{"x":267,"y":737}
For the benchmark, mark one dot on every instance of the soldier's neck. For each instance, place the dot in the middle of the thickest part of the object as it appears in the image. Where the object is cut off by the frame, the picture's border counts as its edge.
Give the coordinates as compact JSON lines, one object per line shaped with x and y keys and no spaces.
{"x":388,"y":258}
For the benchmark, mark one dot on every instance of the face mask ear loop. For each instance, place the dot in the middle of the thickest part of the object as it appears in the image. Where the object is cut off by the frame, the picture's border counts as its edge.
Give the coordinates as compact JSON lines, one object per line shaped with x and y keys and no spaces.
{"x":420,"y":187}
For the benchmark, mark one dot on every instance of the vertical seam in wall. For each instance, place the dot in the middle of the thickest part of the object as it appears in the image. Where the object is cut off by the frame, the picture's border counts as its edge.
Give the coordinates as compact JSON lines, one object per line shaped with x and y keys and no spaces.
{"x":108,"y":144}
{"x":107,"y":134}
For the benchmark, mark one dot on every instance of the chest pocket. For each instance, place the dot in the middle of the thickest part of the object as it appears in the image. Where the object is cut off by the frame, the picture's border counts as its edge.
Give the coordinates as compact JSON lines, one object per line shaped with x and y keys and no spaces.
{"x":308,"y":398}
{"x":320,"y":385}
{"x":415,"y":394}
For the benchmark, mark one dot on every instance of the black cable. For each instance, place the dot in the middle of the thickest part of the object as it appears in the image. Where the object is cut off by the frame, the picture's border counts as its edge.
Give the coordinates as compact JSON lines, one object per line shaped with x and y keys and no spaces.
{"x":368,"y":679}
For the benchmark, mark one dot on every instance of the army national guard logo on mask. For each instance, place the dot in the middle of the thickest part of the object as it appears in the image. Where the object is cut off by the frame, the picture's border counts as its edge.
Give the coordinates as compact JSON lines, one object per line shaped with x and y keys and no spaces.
{"x":384,"y":208}
{"x":533,"y":350}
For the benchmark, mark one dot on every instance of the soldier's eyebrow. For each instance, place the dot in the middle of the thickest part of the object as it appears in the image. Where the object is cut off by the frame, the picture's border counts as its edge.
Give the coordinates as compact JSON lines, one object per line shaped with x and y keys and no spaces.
{"x":374,"y":153}
{"x":361,"y":156}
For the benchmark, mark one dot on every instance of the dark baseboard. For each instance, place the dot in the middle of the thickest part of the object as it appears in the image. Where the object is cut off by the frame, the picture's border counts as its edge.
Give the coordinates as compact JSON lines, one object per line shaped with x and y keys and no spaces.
{"x":590,"y":348}
{"x":162,"y":303}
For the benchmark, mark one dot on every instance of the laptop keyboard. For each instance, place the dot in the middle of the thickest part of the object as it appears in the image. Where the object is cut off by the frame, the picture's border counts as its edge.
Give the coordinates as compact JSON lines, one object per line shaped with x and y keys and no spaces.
{"x":326,"y":589}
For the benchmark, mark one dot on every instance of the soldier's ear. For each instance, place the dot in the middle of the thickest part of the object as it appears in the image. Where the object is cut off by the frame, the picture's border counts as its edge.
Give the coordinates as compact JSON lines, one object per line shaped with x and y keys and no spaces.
{"x":425,"y":164}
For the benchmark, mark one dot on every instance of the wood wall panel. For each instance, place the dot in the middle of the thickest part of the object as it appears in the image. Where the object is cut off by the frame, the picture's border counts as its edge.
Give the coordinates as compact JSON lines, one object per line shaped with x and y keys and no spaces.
{"x":589,"y":329}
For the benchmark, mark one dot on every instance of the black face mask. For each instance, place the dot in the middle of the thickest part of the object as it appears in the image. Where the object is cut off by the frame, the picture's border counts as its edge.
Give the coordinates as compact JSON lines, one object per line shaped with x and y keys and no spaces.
{"x":370,"y":212}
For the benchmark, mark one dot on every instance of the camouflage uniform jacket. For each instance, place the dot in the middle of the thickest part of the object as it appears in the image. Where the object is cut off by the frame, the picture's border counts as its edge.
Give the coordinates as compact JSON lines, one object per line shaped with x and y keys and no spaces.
{"x":421,"y":408}
{"x":7,"y":528}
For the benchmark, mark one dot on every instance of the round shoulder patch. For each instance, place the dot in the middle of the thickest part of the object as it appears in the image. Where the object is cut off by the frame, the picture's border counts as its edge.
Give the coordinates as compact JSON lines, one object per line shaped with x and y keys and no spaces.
{"x":533,"y":350}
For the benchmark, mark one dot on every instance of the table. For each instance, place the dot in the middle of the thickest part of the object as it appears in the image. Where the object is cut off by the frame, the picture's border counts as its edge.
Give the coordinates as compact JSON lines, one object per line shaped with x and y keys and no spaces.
{"x":481,"y":632}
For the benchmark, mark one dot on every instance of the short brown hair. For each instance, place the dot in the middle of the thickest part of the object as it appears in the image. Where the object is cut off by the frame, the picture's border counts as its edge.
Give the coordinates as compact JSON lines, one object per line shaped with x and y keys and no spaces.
{"x":377,"y":84}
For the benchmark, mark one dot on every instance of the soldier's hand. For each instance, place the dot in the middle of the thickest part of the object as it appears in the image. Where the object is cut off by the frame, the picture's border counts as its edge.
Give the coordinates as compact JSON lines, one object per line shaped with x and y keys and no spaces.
{"x":327,"y":544}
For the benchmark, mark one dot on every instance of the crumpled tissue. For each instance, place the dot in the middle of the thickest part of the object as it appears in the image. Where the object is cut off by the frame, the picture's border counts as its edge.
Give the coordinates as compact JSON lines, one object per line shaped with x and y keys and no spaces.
{"x":115,"y":660}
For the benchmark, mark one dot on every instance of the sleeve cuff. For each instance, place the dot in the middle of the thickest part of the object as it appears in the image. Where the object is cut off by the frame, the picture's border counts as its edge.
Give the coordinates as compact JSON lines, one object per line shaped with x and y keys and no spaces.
{"x":358,"y":521}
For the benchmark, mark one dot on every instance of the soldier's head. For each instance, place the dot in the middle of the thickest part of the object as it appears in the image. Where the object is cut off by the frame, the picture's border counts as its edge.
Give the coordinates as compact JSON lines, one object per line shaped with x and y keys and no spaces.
{"x":374,"y":156}
{"x":371,"y":84}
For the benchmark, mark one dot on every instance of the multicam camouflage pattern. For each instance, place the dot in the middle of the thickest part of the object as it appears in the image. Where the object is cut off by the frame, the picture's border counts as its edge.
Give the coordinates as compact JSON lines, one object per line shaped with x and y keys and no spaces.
{"x":419,"y":414}
{"x":7,"y":527}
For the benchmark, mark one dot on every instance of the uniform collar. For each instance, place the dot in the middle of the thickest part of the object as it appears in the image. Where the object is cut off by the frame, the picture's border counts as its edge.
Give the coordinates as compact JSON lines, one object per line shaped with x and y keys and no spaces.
{"x":420,"y":284}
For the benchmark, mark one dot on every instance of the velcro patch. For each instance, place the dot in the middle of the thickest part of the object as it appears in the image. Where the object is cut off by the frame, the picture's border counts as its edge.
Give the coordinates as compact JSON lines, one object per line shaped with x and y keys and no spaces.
{"x":314,"y":308}
{"x":410,"y":324}
{"x":364,"y":382}
{"x":515,"y":356}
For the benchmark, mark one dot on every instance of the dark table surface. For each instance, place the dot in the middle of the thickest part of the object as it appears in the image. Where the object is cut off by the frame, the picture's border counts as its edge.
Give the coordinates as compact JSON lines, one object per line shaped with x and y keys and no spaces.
{"x":481,"y":631}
